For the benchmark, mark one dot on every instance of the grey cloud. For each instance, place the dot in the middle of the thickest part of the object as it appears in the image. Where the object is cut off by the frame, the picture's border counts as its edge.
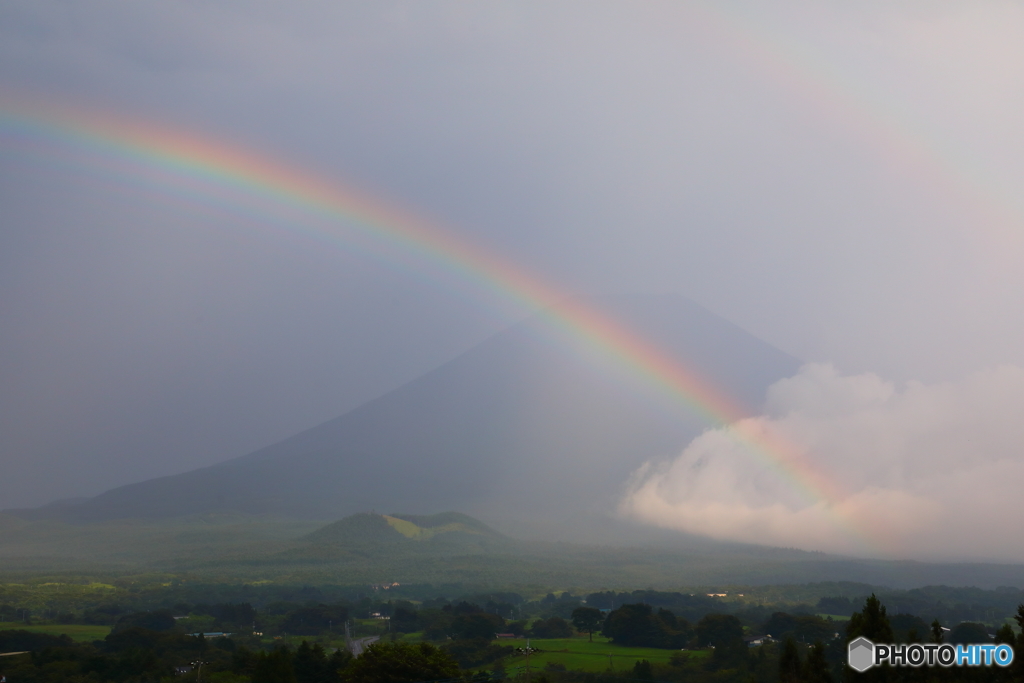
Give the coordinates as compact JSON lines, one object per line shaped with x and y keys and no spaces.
{"x":605,"y":147}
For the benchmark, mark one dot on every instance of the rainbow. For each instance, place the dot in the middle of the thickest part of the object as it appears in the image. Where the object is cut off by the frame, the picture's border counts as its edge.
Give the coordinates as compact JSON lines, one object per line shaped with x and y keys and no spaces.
{"x":853,"y":109}
{"x":213,"y":171}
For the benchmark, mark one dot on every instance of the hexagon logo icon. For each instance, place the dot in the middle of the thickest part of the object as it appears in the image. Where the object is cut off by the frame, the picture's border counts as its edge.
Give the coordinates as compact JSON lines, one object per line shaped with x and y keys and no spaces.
{"x":861,"y":654}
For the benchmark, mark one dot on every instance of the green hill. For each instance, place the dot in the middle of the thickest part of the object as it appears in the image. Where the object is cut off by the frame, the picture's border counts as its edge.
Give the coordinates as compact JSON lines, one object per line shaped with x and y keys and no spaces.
{"x":373,"y":536}
{"x":373,"y":529}
{"x":427,"y":526}
{"x":359,"y":529}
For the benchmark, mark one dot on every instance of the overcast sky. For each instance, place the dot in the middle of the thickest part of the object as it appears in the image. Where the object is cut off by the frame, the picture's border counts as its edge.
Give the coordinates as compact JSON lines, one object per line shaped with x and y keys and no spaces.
{"x":841,"y":180}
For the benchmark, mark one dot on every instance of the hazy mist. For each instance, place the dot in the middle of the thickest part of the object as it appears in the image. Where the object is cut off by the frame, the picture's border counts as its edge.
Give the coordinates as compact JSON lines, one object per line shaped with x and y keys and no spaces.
{"x":840,"y":181}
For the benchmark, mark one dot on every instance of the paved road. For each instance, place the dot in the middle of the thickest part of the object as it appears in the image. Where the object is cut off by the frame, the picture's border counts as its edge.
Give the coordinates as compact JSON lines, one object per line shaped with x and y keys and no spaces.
{"x":359,"y":644}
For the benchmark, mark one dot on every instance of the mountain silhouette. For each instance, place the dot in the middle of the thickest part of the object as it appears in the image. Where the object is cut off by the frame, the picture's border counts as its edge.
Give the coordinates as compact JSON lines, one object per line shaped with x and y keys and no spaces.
{"x":530,"y":424}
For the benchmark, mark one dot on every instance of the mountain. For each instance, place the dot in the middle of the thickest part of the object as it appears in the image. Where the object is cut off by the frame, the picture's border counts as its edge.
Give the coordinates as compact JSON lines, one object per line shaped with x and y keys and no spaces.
{"x":531,"y":424}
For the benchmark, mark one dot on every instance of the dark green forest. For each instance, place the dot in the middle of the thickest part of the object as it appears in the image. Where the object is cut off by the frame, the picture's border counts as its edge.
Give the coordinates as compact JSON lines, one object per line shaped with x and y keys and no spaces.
{"x":302,"y":634}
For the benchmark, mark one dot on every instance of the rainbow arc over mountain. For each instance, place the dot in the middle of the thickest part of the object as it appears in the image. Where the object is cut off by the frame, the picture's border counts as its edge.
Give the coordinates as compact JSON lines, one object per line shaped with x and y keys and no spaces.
{"x":134,"y":152}
{"x":210,"y":171}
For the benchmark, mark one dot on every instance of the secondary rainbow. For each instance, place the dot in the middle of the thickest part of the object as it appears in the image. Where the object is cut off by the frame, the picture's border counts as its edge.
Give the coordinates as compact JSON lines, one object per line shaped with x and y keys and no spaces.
{"x":861,"y":113}
{"x":212,"y":170}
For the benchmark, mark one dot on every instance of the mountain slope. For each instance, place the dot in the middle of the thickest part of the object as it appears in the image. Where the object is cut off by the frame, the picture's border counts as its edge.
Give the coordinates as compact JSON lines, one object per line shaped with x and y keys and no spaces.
{"x":527,"y":425}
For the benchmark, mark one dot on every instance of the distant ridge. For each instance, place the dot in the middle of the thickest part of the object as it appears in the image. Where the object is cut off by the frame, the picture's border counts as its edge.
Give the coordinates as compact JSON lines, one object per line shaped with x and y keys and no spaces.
{"x":525,"y":426}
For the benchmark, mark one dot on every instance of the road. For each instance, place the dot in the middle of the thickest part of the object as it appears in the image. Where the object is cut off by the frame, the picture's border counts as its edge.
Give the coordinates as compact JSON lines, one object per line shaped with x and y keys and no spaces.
{"x":359,"y":644}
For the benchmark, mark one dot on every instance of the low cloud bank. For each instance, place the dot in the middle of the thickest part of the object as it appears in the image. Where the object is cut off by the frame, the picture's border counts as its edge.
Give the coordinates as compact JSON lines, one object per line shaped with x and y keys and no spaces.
{"x":924,"y":471}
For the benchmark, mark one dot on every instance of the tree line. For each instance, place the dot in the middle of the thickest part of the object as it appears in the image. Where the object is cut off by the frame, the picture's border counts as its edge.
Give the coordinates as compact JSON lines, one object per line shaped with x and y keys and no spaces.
{"x":148,"y":646}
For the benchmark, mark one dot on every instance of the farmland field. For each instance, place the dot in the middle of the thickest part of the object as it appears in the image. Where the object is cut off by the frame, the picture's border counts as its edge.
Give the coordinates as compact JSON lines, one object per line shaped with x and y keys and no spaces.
{"x":87,"y":633}
{"x":581,"y":655}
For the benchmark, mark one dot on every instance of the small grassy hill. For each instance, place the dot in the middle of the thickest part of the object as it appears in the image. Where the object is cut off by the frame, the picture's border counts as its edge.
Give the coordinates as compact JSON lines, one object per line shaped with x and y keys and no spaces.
{"x":373,"y":529}
{"x":359,"y":530}
{"x":369,"y":535}
{"x":424,"y":527}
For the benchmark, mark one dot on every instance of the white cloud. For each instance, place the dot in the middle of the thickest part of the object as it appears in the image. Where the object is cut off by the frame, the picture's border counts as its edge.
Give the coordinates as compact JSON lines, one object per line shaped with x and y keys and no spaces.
{"x":926,"y":471}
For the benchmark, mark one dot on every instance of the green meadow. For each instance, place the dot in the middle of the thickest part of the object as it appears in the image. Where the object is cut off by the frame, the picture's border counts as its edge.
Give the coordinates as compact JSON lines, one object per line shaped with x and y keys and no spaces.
{"x":835,"y":617}
{"x":579,"y":654}
{"x":80,"y":632}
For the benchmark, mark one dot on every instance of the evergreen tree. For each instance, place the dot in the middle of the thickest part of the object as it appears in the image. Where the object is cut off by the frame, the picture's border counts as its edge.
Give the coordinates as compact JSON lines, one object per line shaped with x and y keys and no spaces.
{"x":1006,"y":636}
{"x":401,"y":663}
{"x":274,"y":667}
{"x":642,"y":671}
{"x":1018,"y":660}
{"x":789,"y":663}
{"x":311,"y":665}
{"x":937,"y":636}
{"x":762,"y":667}
{"x":339,"y":660}
{"x":872,"y":622}
{"x":725,"y":633}
{"x":817,"y":669}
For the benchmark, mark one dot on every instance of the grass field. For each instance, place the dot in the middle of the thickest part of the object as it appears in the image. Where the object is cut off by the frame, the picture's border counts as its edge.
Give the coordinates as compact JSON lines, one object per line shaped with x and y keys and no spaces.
{"x":76,"y":631}
{"x":578,"y":654}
